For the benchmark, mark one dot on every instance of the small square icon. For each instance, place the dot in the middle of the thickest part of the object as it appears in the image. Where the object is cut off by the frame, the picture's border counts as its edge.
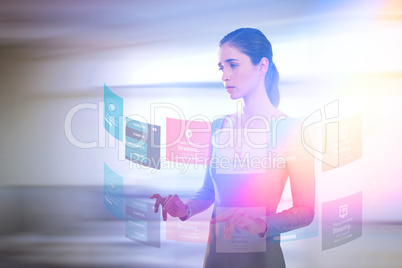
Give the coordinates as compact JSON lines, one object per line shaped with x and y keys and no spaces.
{"x":343,"y":211}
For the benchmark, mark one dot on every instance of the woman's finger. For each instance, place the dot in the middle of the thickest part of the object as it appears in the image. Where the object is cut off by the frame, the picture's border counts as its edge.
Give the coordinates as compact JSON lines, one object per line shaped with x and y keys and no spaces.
{"x":225,"y":216}
{"x":165,"y":207}
{"x":173,"y":205}
{"x":167,"y":202}
{"x":179,"y":204}
{"x":229,"y":227}
{"x":236,"y":220}
{"x":158,"y":201}
{"x":155,"y":196}
{"x":246,"y":222}
{"x":241,"y":221}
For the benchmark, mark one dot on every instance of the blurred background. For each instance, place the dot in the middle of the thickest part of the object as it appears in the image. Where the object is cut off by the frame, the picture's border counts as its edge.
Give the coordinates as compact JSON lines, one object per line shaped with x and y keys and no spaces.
{"x":55,"y":56}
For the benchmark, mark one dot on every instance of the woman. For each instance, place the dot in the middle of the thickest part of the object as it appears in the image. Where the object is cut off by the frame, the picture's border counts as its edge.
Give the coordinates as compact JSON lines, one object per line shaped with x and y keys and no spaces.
{"x":262,"y":149}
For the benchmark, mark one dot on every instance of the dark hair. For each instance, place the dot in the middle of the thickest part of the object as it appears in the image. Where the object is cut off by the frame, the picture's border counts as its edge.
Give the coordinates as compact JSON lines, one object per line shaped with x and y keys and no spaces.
{"x":254,"y":44}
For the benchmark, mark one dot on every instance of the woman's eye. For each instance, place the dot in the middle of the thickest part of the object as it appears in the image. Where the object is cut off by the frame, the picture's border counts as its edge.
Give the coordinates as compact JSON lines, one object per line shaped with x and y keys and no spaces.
{"x":232,"y":65}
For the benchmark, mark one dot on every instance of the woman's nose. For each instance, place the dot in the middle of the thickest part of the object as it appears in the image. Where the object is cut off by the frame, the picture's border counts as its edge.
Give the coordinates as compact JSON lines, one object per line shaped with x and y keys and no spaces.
{"x":225,"y":76}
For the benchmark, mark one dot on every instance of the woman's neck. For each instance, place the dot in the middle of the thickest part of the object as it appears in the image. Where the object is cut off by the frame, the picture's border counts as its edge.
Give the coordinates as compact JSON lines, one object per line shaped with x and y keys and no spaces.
{"x":258,"y":104}
{"x":256,"y":111}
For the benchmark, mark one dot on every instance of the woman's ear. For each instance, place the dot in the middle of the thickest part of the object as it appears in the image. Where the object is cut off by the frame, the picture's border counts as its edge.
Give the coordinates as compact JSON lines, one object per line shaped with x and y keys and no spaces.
{"x":264,"y":63}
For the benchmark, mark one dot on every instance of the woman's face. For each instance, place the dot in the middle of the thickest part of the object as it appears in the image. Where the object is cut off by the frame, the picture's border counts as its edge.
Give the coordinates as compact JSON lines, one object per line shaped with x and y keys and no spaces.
{"x":239,"y":75}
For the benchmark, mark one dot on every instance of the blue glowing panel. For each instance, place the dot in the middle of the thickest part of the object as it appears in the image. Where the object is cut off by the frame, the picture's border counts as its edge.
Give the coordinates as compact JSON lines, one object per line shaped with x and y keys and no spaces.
{"x":113,"y":114}
{"x":142,"y":224}
{"x":113,"y":192}
{"x":341,"y":221}
{"x":143,"y":143}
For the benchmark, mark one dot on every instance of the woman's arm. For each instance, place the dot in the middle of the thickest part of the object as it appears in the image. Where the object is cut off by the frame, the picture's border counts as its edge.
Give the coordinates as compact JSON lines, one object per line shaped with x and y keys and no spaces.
{"x":204,"y":197}
{"x":301,"y":171}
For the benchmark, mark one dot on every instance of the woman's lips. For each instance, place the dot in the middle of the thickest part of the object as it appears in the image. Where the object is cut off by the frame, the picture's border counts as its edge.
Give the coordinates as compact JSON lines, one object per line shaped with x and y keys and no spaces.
{"x":229,"y":88}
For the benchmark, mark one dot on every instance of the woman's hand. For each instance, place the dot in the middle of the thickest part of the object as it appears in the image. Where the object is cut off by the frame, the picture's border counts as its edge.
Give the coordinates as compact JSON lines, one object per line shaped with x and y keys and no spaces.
{"x":171,"y":205}
{"x":238,"y":218}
